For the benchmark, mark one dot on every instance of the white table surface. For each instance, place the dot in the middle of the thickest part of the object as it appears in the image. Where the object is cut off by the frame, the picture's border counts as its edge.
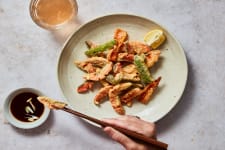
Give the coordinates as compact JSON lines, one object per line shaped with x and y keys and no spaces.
{"x":29,"y":57}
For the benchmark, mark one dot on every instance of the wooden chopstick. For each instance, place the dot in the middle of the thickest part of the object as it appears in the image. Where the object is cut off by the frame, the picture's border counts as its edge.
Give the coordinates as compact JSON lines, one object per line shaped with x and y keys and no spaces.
{"x":129,"y":133}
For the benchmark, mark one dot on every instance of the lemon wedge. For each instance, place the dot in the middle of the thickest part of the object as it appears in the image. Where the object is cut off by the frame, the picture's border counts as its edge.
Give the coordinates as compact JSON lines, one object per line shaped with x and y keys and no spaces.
{"x":154,"y":38}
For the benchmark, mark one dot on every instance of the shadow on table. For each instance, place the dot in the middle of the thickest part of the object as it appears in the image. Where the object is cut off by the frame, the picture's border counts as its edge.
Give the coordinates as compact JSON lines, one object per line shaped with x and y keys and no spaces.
{"x":98,"y":131}
{"x":183,"y":105}
{"x":44,"y":128}
{"x":61,"y":35}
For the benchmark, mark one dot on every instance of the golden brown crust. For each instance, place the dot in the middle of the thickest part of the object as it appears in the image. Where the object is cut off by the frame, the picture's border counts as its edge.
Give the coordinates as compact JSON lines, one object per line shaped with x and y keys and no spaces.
{"x":50,"y":103}
{"x":130,"y":95}
{"x":148,"y":91}
{"x":103,"y":92}
{"x":152,"y":57}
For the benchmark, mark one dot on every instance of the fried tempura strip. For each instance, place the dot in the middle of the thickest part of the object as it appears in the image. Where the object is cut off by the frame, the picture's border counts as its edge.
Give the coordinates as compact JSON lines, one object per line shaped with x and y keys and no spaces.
{"x":103,"y":67}
{"x":152,"y":57}
{"x":95,"y":61}
{"x":130,"y":95}
{"x":103,"y":92}
{"x":129,"y":73}
{"x":125,"y":57}
{"x":148,"y":91}
{"x":131,"y":68}
{"x":117,"y":67}
{"x":130,"y":76}
{"x":114,"y":97}
{"x":104,"y":83}
{"x":101,"y":74}
{"x":135,"y":47}
{"x":116,"y":103}
{"x":87,"y":85}
{"x":87,"y":67}
{"x":120,"y":36}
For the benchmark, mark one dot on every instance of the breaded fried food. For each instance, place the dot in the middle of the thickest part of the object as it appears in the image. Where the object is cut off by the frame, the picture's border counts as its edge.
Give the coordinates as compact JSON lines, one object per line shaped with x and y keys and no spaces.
{"x":122,"y":68}
{"x":50,"y":103}
{"x":147,"y":92}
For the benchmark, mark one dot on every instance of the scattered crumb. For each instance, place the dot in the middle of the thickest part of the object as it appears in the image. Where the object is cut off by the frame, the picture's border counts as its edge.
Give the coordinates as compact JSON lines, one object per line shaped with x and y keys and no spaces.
{"x":197,"y":41}
{"x":49,"y":132}
{"x":2,"y":10}
{"x":5,"y":122}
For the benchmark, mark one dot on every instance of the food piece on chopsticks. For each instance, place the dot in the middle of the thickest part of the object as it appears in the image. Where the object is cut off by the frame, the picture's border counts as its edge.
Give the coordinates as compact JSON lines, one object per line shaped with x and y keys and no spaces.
{"x":51,"y":103}
{"x":100,"y":48}
{"x":145,"y":75}
{"x":147,"y":92}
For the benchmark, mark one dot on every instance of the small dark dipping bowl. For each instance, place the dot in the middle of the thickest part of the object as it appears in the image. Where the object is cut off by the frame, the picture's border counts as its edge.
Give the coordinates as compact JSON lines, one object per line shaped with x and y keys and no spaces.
{"x":23,"y":110}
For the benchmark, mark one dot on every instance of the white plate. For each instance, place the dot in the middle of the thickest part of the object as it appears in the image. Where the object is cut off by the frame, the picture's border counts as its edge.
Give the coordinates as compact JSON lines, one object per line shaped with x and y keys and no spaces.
{"x":172,"y":67}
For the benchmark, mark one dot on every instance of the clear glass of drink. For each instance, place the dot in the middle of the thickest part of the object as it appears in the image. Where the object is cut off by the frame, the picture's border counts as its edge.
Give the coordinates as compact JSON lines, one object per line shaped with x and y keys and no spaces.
{"x":53,"y":14}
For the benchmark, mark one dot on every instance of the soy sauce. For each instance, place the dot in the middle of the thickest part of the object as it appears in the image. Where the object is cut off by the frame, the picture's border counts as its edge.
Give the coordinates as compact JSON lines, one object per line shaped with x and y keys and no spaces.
{"x":19,"y":104}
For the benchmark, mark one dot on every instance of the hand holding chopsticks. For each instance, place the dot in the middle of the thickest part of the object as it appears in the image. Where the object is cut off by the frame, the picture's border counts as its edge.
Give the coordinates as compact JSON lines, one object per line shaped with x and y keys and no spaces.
{"x":52,"y":104}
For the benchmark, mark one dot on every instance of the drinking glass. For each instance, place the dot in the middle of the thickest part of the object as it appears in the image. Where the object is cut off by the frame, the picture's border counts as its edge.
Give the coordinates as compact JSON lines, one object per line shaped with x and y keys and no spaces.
{"x":53,"y":14}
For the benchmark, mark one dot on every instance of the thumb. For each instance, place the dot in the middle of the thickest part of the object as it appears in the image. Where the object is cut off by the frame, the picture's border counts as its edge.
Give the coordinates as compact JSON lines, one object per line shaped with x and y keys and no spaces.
{"x":119,"y":137}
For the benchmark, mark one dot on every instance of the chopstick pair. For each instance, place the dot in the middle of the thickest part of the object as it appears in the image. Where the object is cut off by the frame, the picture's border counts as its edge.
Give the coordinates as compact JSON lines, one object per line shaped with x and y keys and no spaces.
{"x":52,"y":104}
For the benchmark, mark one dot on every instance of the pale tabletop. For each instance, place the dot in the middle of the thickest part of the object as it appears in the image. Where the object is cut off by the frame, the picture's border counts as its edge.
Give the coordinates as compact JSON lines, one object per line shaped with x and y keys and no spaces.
{"x":29,"y":57}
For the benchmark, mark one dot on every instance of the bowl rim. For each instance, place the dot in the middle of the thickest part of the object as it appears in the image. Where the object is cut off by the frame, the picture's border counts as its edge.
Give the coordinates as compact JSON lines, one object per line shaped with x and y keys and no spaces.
{"x":20,"y":124}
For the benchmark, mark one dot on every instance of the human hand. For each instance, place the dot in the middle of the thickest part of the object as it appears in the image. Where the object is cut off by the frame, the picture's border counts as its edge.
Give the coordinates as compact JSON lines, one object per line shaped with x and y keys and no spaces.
{"x":134,"y":124}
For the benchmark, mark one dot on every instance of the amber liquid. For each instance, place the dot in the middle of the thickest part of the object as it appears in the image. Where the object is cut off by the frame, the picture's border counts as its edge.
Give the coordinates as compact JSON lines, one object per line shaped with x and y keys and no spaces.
{"x":19,"y":103}
{"x":54,"y":12}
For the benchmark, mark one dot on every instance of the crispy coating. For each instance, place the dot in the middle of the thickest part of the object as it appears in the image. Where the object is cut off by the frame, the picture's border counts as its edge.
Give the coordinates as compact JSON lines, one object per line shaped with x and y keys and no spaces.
{"x":120,"y":36}
{"x":147,"y":92}
{"x":86,"y":86}
{"x":135,"y":47}
{"x":102,"y":93}
{"x":152,"y":57}
{"x":130,"y":95}
{"x":50,"y":103}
